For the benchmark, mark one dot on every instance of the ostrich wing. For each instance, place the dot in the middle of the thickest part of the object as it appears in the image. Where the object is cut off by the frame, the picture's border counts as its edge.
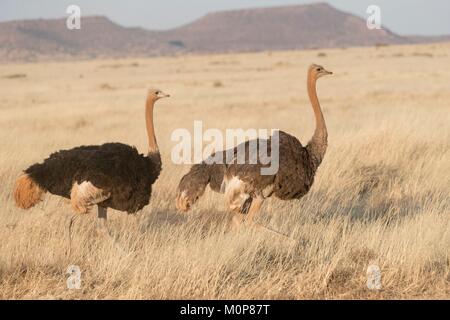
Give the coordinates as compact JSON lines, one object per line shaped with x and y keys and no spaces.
{"x":293,"y":177}
{"x":84,"y":195}
{"x":249,"y":172}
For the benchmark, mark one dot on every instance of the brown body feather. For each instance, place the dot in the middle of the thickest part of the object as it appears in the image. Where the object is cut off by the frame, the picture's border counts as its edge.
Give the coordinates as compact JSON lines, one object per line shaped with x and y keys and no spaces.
{"x":194,"y":183}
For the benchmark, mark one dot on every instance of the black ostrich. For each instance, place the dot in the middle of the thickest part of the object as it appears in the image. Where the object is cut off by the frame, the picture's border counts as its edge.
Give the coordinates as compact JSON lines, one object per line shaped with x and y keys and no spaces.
{"x":111,"y":175}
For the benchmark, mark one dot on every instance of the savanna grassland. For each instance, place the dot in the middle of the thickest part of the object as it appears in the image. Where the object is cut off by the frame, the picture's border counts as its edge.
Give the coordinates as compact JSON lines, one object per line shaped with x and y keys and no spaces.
{"x":381,"y":195}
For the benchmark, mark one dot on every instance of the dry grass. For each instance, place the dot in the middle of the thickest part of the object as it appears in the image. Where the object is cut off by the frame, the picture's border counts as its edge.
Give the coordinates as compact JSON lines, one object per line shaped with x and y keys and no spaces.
{"x":381,"y":195}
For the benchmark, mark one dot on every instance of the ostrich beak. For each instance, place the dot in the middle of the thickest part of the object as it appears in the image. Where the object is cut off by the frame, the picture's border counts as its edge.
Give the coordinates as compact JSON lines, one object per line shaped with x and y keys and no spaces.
{"x":163,"y":95}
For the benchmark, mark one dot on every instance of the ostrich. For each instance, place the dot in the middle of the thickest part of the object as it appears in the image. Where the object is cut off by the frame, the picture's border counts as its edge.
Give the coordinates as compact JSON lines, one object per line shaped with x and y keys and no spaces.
{"x":111,"y":175}
{"x":244,"y":186}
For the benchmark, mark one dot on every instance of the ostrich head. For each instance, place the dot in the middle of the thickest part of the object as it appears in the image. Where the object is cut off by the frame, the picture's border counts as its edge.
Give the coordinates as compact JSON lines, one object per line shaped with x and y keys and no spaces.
{"x":315,"y":71}
{"x":156,"y":94}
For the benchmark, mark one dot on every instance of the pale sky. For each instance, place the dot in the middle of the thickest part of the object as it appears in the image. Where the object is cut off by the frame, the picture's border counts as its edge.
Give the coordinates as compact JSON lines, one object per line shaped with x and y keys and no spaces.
{"x":421,"y":17}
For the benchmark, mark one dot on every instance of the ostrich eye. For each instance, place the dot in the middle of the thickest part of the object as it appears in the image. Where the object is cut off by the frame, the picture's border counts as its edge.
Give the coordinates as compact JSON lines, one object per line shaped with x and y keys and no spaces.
{"x":157,"y":92}
{"x":318,"y":69}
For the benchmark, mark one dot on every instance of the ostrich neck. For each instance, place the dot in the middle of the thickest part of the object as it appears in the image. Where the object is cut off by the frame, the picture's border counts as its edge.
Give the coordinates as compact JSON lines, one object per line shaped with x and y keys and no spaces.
{"x":318,"y":144}
{"x":152,"y":144}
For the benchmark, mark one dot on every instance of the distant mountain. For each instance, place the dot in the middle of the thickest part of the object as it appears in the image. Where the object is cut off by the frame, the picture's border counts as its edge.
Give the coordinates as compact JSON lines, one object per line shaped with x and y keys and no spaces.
{"x":429,"y":39}
{"x":288,"y":27}
{"x":279,"y":28}
{"x":50,"y":39}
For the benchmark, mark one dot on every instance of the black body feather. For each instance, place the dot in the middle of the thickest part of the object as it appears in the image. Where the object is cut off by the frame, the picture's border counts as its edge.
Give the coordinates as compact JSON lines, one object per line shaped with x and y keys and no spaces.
{"x":116,"y":168}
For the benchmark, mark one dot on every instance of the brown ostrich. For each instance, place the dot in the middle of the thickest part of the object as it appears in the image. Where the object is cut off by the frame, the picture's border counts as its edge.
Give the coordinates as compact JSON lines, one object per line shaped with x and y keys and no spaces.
{"x":244,"y":186}
{"x":111,"y":175}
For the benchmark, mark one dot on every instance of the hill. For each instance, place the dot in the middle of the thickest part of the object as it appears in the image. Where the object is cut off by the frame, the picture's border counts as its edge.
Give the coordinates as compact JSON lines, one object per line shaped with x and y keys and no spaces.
{"x":277,"y":28}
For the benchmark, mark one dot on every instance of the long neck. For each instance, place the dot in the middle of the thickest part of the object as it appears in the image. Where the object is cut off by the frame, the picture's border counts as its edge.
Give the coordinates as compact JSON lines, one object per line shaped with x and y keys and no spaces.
{"x":152,"y":144}
{"x":318,"y":144}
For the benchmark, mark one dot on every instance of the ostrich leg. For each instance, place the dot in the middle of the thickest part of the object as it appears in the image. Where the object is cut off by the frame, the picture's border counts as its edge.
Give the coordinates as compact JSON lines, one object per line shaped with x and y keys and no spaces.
{"x":239,"y":218}
{"x":102,"y":227}
{"x":253,"y":211}
{"x":255,"y":208}
{"x":69,"y":233}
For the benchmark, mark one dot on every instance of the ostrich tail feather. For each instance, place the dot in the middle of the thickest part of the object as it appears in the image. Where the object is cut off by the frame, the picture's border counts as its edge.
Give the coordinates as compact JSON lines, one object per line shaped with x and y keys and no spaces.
{"x":27,"y":193}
